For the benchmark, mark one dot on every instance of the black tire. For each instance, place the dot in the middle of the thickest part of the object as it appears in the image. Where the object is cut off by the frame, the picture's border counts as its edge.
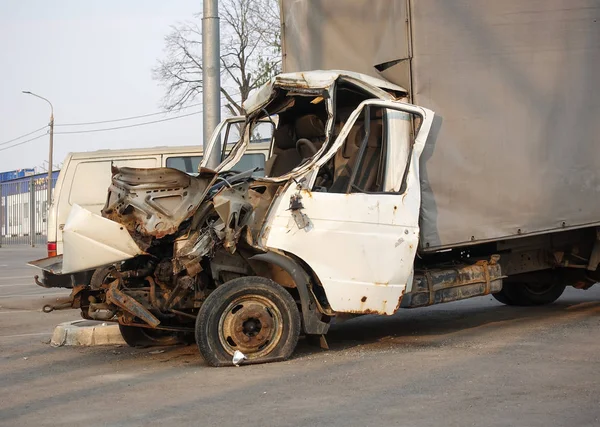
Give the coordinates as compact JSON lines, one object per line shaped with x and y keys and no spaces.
{"x":529,"y":294}
{"x":502,"y":297}
{"x":252,"y":314}
{"x":102,"y":276}
{"x":145,"y":337}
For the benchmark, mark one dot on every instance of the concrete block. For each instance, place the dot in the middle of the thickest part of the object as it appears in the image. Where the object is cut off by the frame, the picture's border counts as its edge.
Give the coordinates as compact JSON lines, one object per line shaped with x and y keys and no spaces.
{"x":86,"y":333}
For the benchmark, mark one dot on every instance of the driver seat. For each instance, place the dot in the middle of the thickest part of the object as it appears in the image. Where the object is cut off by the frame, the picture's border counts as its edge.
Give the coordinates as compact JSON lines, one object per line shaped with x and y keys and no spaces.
{"x":285,"y":156}
{"x":312,"y":128}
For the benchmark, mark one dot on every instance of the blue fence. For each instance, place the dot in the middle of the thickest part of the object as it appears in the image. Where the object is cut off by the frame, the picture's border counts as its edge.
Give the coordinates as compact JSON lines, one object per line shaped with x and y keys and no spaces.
{"x":24,"y":210}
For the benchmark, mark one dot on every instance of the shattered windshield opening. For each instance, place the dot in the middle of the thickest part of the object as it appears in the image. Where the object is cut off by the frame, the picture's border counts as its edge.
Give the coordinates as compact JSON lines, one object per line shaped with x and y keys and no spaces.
{"x":299,"y":128}
{"x":290,"y":126}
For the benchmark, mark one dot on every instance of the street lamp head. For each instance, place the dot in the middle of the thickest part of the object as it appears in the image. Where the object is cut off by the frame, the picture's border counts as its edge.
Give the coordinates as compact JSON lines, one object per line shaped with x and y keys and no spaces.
{"x":41,"y":97}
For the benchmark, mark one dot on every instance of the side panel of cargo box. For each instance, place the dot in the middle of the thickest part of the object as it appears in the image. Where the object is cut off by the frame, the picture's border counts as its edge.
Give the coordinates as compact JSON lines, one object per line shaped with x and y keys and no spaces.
{"x":516,"y":147}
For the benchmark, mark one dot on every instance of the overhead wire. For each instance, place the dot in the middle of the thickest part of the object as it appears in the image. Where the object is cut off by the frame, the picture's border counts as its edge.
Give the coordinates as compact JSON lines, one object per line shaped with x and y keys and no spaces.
{"x":23,"y":136}
{"x":96,"y":130}
{"x":102,"y":122}
{"x":126,"y":118}
{"x":128,"y":126}
{"x":122,"y":119}
{"x":23,"y":142}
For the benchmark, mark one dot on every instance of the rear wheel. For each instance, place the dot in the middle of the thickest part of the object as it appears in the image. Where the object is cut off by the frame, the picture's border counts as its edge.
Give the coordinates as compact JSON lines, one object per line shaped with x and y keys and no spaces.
{"x":145,"y":337}
{"x":529,"y":294}
{"x":251,"y":314}
{"x":502,"y":297}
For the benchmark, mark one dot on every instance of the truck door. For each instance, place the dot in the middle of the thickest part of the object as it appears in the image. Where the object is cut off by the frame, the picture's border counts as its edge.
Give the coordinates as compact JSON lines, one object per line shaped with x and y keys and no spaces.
{"x":359,"y":230}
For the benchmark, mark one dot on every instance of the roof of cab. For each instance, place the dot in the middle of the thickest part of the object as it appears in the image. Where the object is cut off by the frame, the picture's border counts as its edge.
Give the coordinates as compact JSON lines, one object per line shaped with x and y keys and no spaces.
{"x":313,"y":79}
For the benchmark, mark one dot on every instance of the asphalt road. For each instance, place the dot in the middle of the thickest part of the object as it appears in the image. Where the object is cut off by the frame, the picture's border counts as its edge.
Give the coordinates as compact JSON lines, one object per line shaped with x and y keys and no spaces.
{"x":470,"y":363}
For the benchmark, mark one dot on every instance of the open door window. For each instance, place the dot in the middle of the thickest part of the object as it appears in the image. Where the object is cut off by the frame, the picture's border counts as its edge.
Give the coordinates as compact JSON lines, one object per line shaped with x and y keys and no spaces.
{"x":372,"y":152}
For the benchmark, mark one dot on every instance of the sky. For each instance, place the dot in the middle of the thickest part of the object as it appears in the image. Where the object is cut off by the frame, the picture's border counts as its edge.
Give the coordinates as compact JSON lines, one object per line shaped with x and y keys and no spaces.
{"x":93,"y":60}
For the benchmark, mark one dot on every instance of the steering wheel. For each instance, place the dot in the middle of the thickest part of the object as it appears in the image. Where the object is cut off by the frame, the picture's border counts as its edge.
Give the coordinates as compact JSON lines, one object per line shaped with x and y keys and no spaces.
{"x":309,"y":145}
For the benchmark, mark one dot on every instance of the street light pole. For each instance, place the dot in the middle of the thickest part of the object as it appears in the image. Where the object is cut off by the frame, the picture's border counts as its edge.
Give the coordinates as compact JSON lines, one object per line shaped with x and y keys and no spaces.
{"x":211,"y":78}
{"x":50,"y":150}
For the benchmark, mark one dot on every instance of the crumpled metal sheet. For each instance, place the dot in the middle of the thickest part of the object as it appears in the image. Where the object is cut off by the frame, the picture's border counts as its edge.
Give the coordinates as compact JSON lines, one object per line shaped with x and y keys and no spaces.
{"x":312,"y":79}
{"x":235,"y":211}
{"x":234,"y":208}
{"x":188,"y":251}
{"x":152,"y":203}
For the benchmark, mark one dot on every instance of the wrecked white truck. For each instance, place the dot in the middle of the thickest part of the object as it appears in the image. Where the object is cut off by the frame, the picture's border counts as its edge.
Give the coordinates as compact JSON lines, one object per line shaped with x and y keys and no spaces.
{"x":248,"y":264}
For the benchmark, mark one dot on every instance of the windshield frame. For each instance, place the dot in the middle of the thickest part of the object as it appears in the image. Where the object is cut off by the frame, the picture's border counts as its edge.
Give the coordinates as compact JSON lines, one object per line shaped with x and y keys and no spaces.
{"x":217,"y":134}
{"x":241,"y":147}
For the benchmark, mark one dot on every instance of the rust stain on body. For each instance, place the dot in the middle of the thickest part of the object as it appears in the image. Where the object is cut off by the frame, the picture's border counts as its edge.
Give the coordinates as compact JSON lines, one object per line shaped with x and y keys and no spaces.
{"x":400,"y":300}
{"x":307,"y":192}
{"x":366,"y":311}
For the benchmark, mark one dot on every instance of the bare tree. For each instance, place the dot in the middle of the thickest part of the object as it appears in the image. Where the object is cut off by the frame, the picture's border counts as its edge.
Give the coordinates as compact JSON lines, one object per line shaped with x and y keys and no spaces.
{"x":250,"y":54}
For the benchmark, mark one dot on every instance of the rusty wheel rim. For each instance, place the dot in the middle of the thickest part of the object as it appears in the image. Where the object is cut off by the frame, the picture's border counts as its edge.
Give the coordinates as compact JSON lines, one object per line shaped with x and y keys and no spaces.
{"x":250,"y":324}
{"x":106,"y":281}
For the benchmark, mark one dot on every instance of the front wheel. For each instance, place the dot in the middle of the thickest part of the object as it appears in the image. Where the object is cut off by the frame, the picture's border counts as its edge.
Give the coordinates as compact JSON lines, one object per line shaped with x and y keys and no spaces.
{"x":251,"y":314}
{"x":529,"y":294}
{"x":135,"y":336}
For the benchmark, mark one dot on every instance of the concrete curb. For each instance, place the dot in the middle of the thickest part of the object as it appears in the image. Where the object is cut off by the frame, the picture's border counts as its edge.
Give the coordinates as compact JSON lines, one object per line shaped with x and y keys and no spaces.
{"x":86,"y":333}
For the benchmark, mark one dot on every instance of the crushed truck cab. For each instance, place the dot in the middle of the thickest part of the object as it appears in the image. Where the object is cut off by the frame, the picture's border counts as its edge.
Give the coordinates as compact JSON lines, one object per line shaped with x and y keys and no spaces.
{"x":249,"y":263}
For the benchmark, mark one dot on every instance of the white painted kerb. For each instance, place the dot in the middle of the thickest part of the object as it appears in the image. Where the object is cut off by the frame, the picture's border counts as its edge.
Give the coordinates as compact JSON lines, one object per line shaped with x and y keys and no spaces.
{"x":86,"y":333}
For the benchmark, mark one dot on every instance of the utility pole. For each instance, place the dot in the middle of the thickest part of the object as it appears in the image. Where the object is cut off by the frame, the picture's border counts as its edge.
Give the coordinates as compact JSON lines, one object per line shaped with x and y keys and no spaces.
{"x":50,"y":150}
{"x":211,"y":78}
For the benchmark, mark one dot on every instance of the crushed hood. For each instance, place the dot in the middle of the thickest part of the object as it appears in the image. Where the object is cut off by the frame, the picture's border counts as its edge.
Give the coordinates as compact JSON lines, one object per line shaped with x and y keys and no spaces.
{"x":152,"y":203}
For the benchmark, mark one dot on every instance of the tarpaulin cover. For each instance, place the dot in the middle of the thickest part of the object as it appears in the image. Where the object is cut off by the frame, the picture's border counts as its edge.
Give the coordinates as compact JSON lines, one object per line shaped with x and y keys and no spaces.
{"x":516,"y":89}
